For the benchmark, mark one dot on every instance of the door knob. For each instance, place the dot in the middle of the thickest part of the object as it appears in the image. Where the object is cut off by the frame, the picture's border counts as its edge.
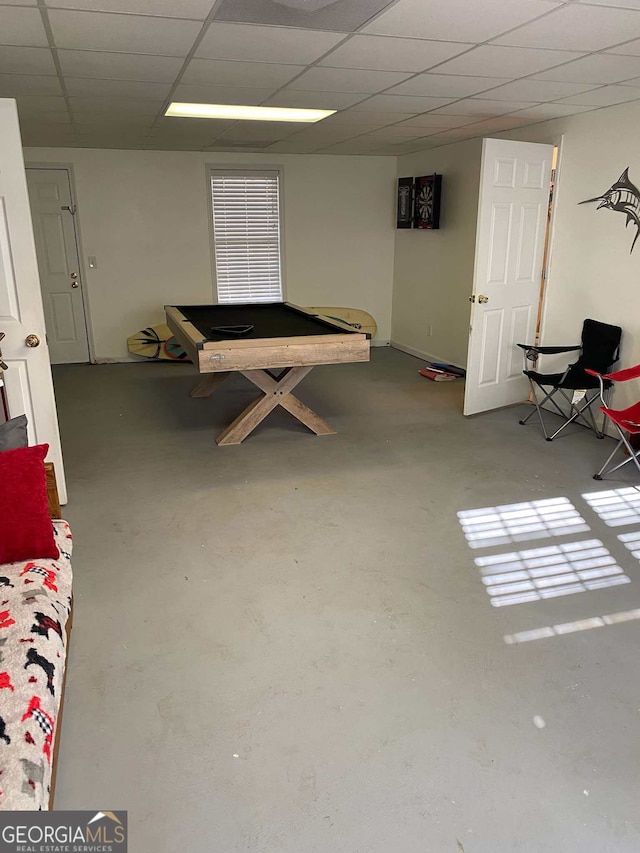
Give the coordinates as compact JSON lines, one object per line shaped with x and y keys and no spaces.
{"x":32,"y":341}
{"x":75,"y":284}
{"x":3,"y":365}
{"x":483,"y":299}
{"x":74,"y":275}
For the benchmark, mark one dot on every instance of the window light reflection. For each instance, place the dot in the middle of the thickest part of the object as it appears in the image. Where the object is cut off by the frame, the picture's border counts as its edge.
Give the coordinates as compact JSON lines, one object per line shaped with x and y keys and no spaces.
{"x":616,"y":507}
{"x":549,"y":572}
{"x":632,"y":542}
{"x":520,"y":522}
{"x":571,"y":627}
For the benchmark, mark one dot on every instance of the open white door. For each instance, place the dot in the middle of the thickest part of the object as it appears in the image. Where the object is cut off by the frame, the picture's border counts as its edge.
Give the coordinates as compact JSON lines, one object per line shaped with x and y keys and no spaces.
{"x":515,"y":179}
{"x":29,"y":387}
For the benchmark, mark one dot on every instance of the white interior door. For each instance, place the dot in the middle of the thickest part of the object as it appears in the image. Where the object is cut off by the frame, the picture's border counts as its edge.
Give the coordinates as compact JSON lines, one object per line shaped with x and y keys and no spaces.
{"x":58,"y":260}
{"x":515,"y":180}
{"x":29,"y":387}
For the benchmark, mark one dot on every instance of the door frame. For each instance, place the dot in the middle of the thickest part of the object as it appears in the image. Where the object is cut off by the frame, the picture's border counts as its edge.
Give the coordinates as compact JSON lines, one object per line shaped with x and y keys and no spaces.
{"x":559,"y":142}
{"x":68,"y":167}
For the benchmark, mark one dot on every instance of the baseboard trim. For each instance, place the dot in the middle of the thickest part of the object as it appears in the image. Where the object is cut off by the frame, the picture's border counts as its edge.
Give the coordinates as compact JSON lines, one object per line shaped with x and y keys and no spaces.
{"x":427,"y":356}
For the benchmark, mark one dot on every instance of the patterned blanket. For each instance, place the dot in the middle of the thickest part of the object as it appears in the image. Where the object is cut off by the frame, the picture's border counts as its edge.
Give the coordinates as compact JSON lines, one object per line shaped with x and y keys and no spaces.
{"x":35,"y":602}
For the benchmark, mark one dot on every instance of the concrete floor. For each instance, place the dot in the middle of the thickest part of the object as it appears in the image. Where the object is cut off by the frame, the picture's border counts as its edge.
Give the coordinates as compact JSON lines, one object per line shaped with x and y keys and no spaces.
{"x":286,"y":646}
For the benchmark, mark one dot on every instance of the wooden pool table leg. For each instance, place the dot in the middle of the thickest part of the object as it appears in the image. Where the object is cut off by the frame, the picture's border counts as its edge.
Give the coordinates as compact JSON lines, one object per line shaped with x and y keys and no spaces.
{"x":208,"y":384}
{"x":276,"y":392}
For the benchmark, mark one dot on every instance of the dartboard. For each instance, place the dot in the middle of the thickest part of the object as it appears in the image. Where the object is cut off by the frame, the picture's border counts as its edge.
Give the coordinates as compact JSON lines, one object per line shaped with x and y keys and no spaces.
{"x":427,"y":201}
{"x":424,"y":202}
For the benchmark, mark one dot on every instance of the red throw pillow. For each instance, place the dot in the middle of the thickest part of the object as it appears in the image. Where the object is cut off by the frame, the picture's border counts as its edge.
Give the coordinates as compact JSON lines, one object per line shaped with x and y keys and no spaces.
{"x":26,"y":531}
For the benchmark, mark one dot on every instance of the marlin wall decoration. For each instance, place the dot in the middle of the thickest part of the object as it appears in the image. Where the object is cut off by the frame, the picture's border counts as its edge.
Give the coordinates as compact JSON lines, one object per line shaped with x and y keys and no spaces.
{"x":623,"y":197}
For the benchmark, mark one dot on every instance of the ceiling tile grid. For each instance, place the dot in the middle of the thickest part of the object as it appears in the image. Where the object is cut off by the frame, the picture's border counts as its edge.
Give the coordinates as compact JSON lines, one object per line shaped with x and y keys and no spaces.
{"x":401,"y":74}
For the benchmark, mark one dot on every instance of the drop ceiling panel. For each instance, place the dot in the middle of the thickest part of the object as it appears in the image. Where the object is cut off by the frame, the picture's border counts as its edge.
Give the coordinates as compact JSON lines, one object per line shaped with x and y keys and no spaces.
{"x":116,"y":105}
{"x":265,"y":44}
{"x":126,"y":33}
{"x":401,"y":103}
{"x":496,"y":125}
{"x":446,"y":85}
{"x":19,"y":25}
{"x":103,"y":121}
{"x":315,"y":100}
{"x":347,"y":80}
{"x":351,"y":117}
{"x":605,"y":97}
{"x":223,"y":73}
{"x":435,"y":121}
{"x":12,"y":85}
{"x":293,"y":146}
{"x":623,"y":4}
{"x":631,"y":48}
{"x":412,"y":77}
{"x":536,"y":90}
{"x":482,"y":107}
{"x":387,"y":134}
{"x":90,"y":88}
{"x":201,"y":94}
{"x":329,"y":135}
{"x":543,"y":112}
{"x":240,"y":133}
{"x":598,"y":69}
{"x":343,"y":16}
{"x":26,"y":60}
{"x":38,"y":117}
{"x":494,"y":61}
{"x":197,"y":9}
{"x":458,"y":133}
{"x":456,"y":20}
{"x":392,"y":54}
{"x":577,"y":27}
{"x":167,"y":126}
{"x":119,"y":66}
{"x":42,"y":103}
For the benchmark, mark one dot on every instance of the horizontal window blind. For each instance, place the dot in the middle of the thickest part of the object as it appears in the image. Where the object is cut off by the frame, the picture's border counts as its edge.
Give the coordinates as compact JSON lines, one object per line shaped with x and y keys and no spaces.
{"x":246,"y":233}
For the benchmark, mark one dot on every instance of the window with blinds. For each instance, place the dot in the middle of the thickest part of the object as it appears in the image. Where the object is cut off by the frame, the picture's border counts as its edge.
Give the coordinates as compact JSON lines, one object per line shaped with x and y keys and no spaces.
{"x":246,"y":235}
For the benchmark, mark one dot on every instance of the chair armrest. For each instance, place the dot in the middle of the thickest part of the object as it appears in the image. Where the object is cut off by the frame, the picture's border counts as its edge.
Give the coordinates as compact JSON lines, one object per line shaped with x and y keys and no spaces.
{"x":548,"y":350}
{"x":618,"y":375}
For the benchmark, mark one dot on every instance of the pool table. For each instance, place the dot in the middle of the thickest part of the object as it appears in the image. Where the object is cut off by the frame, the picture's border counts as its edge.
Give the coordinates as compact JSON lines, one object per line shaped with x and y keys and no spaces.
{"x":274,"y":345}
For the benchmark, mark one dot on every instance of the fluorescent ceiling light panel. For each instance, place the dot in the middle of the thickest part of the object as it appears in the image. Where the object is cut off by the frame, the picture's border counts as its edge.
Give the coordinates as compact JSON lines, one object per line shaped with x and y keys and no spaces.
{"x":239,"y":112}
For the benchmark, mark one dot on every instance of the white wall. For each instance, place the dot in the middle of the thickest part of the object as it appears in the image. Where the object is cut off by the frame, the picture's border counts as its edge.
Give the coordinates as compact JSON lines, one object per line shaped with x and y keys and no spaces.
{"x":434,"y":269}
{"x":144,"y":215}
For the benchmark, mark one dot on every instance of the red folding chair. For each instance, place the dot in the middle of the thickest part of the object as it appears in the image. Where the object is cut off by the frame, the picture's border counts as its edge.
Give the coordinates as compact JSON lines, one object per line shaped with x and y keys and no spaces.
{"x":626,"y":421}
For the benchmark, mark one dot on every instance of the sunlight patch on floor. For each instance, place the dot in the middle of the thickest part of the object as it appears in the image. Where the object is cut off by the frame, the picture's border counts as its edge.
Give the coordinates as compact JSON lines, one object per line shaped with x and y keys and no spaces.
{"x":550,"y":572}
{"x":632,"y":542}
{"x":616,"y":507}
{"x":520,"y":522}
{"x":572,"y":627}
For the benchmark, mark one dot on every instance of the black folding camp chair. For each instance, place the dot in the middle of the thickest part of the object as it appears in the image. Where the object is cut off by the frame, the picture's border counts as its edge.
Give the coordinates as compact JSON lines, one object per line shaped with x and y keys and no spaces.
{"x":599,"y":351}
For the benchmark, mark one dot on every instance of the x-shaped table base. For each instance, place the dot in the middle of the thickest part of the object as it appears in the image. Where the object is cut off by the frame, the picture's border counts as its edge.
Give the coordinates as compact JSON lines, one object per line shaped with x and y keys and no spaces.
{"x":276,"y":392}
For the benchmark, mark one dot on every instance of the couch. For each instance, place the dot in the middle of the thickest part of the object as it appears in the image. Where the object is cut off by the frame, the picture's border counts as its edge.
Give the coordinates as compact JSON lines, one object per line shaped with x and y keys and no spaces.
{"x":35,"y":622}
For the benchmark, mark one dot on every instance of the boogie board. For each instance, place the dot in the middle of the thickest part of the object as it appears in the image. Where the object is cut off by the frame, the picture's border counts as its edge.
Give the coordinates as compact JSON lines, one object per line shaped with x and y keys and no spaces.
{"x":354,"y":318}
{"x":158,"y":343}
